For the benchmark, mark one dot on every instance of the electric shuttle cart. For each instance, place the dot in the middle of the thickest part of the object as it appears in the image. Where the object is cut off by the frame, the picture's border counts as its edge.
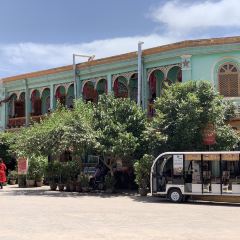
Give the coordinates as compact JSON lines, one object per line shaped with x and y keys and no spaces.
{"x":180,"y":174}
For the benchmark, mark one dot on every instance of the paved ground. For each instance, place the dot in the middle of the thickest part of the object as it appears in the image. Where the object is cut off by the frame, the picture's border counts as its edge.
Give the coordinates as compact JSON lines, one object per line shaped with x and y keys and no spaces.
{"x":41,"y":214}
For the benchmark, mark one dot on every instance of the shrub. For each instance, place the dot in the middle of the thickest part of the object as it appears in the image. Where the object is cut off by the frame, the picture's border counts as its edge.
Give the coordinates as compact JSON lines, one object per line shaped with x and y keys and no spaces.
{"x":36,"y":168}
{"x":13,"y":175}
{"x":142,"y":169}
{"x":109,"y":181}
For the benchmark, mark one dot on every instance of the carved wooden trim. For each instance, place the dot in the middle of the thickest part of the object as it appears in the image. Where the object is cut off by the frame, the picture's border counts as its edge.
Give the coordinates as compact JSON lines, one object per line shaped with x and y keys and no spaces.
{"x":94,"y":81}
{"x":126,"y":75}
{"x":163,"y":69}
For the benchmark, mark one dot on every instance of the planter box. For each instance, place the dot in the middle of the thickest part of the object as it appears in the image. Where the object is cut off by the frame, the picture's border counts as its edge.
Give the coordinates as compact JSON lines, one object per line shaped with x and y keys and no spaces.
{"x":21,"y":181}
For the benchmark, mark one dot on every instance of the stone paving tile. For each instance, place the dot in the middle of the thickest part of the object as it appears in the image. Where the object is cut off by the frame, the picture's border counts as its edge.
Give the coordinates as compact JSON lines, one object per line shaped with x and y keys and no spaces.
{"x":38,"y":213}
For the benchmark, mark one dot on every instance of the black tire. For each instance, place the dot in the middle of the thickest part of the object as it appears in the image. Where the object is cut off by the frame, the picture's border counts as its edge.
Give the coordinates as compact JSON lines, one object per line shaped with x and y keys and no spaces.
{"x":175,"y":195}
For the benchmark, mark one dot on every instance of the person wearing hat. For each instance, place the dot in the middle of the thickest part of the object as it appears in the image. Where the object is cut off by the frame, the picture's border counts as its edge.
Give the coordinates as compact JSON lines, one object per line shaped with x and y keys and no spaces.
{"x":3,"y":178}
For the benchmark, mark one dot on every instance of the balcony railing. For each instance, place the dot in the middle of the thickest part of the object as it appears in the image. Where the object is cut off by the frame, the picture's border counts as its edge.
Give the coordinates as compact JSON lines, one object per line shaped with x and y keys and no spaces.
{"x":21,"y":121}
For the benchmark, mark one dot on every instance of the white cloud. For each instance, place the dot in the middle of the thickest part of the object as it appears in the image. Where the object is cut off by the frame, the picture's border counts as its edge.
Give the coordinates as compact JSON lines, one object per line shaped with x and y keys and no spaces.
{"x":26,"y":57}
{"x":183,"y":17}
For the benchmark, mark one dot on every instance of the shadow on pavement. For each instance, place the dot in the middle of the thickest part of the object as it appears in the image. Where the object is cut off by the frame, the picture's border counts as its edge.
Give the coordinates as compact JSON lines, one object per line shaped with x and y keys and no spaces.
{"x":150,"y":199}
{"x":44,"y":191}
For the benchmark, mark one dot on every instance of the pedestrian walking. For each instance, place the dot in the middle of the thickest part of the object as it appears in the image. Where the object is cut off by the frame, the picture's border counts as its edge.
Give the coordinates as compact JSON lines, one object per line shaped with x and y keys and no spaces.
{"x":3,"y":178}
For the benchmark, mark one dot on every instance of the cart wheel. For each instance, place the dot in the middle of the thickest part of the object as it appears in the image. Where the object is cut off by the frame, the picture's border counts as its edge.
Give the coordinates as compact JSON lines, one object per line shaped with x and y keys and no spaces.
{"x":175,"y":195}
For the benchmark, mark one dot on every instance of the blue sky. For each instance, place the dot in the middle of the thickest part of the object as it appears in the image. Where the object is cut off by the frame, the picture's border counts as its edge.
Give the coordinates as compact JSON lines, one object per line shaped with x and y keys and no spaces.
{"x":42,"y":34}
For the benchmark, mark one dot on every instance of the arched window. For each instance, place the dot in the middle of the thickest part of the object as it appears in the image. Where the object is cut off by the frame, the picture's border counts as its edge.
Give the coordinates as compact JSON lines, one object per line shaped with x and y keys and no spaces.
{"x":228,"y":79}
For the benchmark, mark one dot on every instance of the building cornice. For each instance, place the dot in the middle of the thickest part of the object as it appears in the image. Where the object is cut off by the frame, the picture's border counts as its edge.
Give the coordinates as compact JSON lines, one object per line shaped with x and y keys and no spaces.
{"x":130,"y":56}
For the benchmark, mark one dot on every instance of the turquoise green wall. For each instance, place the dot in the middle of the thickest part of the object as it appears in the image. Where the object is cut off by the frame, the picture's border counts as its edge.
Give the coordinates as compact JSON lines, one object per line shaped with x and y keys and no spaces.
{"x":203,"y":65}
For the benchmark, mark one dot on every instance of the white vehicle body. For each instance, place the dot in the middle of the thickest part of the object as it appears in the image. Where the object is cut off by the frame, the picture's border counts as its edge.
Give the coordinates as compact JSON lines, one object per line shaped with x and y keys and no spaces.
{"x":179,"y":174}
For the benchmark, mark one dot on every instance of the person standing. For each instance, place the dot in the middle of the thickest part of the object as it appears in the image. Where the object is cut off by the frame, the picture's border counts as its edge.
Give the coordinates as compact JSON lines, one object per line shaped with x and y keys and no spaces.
{"x":3,"y":168}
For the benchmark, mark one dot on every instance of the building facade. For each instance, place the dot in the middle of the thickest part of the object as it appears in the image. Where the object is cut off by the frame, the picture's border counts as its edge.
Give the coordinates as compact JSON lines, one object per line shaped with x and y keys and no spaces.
{"x":27,"y":97}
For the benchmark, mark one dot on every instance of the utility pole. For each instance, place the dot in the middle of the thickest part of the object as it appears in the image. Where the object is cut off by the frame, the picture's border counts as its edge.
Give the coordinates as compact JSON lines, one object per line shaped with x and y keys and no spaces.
{"x":90,"y":58}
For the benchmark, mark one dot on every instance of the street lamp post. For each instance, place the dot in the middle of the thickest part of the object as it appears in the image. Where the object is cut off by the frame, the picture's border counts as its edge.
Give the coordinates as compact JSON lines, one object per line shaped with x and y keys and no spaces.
{"x":90,"y":58}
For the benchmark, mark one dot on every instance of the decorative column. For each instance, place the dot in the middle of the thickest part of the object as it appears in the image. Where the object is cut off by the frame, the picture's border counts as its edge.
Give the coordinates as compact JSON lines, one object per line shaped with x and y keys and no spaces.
{"x":3,"y":109}
{"x":186,"y":68}
{"x":145,"y":90}
{"x":52,"y":96}
{"x":27,"y":104}
{"x":109,"y":83}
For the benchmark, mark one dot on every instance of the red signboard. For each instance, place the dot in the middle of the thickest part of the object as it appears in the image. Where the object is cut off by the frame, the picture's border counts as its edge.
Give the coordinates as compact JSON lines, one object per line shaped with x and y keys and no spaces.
{"x":209,"y":135}
{"x":22,"y":166}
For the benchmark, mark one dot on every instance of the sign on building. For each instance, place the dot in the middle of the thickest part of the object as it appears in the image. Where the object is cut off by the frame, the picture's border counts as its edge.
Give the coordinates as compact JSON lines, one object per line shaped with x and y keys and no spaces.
{"x":209,"y":135}
{"x":22,"y":165}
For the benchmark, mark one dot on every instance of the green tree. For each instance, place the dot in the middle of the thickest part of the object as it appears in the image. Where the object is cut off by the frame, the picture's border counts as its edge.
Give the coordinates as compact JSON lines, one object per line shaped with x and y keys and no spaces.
{"x":62,"y":130}
{"x":184,"y":110}
{"x":120,"y":124}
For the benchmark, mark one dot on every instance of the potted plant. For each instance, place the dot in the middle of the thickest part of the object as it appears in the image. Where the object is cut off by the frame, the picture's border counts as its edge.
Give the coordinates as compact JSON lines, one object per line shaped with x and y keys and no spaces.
{"x":61,"y":177}
{"x":84,"y":179}
{"x":35,"y":170}
{"x":109,"y":183}
{"x":13,"y":175}
{"x":30,"y":179}
{"x":78,"y":186}
{"x":39,"y":179}
{"x":51,"y":174}
{"x":72,"y":171}
{"x":142,"y":169}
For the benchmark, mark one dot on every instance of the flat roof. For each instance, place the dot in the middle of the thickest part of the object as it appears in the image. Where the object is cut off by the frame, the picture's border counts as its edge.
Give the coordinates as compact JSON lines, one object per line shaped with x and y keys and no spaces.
{"x":130,"y":55}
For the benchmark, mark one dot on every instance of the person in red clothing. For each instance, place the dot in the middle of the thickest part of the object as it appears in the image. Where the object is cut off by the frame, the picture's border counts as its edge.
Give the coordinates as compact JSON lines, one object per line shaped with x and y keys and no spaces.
{"x":3,"y":168}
